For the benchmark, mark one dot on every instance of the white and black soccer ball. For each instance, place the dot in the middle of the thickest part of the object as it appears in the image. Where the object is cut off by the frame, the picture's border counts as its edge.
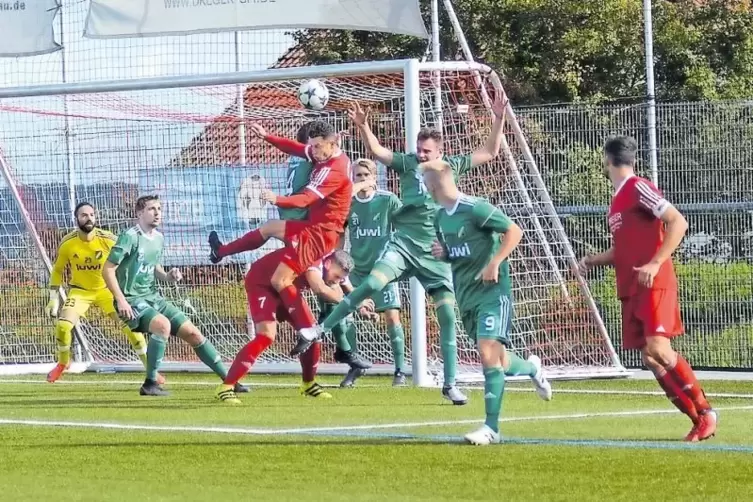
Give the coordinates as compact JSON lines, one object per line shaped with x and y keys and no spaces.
{"x":313,"y":94}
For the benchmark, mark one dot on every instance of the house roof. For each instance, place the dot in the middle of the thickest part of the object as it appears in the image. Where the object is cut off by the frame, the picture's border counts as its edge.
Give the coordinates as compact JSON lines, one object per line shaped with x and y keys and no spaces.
{"x":219,"y":142}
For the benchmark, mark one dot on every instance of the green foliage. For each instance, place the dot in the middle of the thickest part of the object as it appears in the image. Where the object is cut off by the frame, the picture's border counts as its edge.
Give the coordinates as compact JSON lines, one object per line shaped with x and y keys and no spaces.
{"x":716,"y":310}
{"x":580,"y":50}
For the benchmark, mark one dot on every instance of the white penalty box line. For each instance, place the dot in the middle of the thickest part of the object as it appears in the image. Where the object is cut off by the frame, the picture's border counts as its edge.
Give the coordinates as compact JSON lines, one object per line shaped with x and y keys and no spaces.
{"x":337,"y":429}
{"x":269,"y":385}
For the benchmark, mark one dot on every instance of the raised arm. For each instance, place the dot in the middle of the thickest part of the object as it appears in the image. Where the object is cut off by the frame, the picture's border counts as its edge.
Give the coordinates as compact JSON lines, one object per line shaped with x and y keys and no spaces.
{"x":361,"y":119}
{"x":494,"y":142}
{"x":285,"y":145}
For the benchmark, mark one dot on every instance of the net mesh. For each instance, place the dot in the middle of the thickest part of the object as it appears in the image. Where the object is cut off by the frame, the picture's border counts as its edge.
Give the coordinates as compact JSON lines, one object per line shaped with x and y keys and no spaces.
{"x":191,"y":148}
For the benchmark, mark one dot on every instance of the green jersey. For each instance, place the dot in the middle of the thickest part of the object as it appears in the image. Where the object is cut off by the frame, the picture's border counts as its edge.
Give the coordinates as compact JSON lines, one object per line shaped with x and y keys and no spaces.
{"x":136,"y":255}
{"x":299,"y":171}
{"x":370,"y":227}
{"x":470,"y":235}
{"x":414,"y":220}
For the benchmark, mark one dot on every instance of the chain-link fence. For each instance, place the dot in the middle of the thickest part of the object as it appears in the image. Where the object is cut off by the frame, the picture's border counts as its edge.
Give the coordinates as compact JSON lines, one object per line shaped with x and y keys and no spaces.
{"x":705,"y":167}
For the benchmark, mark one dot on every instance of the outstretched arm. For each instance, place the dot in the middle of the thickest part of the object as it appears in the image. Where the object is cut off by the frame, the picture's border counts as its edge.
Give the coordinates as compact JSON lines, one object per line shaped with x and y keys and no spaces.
{"x":375,"y":149}
{"x":285,"y":145}
{"x":494,"y":141}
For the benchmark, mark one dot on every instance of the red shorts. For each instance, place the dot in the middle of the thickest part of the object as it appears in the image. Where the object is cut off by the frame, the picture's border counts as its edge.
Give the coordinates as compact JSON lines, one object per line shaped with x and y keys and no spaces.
{"x":264,"y":304}
{"x":650,"y":312}
{"x":306,"y":244}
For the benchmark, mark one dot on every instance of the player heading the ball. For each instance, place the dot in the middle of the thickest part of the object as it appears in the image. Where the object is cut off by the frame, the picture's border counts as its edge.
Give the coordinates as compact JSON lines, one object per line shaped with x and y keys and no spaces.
{"x":327,"y":196}
{"x":646,"y":229}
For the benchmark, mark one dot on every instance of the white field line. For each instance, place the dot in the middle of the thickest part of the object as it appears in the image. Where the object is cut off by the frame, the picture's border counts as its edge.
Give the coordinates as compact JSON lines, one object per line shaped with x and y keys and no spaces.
{"x":345,"y":428}
{"x":252,"y":384}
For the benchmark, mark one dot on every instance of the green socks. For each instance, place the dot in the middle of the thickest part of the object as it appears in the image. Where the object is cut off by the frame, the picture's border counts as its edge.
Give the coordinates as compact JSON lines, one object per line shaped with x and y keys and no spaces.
{"x":350,"y":333}
{"x":155,"y":352}
{"x":209,"y":356}
{"x":368,"y":287}
{"x":494,"y":388}
{"x":519,"y":366}
{"x":397,"y":341}
{"x":447,"y":335}
{"x":340,"y":334}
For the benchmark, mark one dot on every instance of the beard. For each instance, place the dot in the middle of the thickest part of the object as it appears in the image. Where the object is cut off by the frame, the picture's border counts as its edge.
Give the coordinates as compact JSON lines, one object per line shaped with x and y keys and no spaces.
{"x":86,"y":227}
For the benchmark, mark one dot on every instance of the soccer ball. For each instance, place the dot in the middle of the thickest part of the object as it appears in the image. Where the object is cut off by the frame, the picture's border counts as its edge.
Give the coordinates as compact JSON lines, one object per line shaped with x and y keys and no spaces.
{"x":313,"y":94}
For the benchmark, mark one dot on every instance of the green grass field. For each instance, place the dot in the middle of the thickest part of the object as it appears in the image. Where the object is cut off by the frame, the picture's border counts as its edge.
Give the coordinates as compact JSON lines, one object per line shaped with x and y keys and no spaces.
{"x":93,"y":438}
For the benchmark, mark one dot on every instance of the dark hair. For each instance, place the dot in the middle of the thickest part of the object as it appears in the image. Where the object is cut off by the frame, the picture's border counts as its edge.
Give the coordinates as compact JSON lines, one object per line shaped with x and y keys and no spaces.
{"x":142,"y":201}
{"x":80,"y":205}
{"x":429,"y":133}
{"x":320,"y":129}
{"x":302,"y":136}
{"x":621,"y":151}
{"x":342,"y":258}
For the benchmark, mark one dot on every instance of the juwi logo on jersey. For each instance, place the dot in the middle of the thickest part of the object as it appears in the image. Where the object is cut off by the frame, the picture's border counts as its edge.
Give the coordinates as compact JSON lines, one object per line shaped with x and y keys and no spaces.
{"x":90,"y":268}
{"x":459,"y":251}
{"x":368,"y":232}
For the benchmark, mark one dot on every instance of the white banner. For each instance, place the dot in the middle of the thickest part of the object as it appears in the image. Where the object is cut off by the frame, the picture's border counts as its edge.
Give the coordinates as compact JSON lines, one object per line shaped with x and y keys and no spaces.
{"x":142,"y":18}
{"x":26,"y":27}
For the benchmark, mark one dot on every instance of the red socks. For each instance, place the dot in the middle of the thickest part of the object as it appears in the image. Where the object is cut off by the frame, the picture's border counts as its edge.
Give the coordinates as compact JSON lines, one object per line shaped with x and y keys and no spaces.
{"x":298,"y":310}
{"x":310,"y":362}
{"x":685,"y":379}
{"x":250,"y":241}
{"x":246,"y":358}
{"x":677,"y":396}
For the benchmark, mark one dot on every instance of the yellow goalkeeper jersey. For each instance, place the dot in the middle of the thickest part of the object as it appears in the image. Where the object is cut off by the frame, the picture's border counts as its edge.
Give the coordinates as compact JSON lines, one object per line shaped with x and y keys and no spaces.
{"x":85,"y":259}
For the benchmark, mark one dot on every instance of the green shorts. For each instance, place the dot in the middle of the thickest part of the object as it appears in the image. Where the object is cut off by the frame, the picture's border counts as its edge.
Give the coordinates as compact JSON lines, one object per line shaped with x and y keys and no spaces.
{"x":407,"y":259}
{"x":386,"y":299}
{"x":145,"y":309}
{"x":491,"y":320}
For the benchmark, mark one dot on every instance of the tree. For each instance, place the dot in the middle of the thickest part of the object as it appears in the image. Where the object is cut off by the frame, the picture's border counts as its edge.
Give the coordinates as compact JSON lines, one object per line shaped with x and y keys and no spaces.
{"x":579,"y":50}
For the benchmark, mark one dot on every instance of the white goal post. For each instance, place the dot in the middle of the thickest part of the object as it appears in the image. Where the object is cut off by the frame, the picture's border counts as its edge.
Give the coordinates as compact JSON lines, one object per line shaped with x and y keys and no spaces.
{"x":184,"y":138}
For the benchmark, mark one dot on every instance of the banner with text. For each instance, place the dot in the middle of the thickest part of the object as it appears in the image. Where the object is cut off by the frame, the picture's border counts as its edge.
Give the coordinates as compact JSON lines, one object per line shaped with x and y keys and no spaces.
{"x":26,"y":27}
{"x":129,"y":18}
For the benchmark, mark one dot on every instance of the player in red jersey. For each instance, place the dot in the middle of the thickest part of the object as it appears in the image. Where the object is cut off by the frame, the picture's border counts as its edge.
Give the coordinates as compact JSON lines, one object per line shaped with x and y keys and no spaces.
{"x":328,"y":279}
{"x":327,"y":196}
{"x":646,"y":229}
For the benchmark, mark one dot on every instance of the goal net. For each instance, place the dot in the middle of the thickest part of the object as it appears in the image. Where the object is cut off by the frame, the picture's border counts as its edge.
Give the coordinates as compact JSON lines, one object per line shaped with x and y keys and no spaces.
{"x":189,"y":145}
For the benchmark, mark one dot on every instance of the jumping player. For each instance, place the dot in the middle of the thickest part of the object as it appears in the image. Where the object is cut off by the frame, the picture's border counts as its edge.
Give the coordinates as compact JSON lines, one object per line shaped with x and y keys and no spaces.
{"x":325,"y":279}
{"x":327,"y":196}
{"x":131,"y":273}
{"x":408,"y":252}
{"x":84,"y":251}
{"x":646,"y":229}
{"x":477,"y":239}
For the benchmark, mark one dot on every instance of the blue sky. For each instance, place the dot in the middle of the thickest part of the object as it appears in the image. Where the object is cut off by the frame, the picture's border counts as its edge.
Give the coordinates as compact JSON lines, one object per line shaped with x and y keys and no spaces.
{"x":34,"y":142}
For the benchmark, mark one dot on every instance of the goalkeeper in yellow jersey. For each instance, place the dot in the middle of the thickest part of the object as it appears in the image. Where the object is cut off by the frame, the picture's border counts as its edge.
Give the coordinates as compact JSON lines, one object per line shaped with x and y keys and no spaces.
{"x":84,"y":251}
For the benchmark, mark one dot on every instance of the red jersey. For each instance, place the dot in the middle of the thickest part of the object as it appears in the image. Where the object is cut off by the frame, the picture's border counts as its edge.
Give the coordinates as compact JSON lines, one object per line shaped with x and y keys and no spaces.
{"x":637,"y":233}
{"x":261,"y":271}
{"x":329,"y":192}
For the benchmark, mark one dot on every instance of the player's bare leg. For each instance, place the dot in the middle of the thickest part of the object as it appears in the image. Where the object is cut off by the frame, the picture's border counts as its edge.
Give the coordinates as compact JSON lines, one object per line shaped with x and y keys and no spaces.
{"x":676,"y":377}
{"x":159,"y":327}
{"x":254,"y":239}
{"x":206,"y":352}
{"x":64,"y":327}
{"x":493,"y":359}
{"x":266,"y":332}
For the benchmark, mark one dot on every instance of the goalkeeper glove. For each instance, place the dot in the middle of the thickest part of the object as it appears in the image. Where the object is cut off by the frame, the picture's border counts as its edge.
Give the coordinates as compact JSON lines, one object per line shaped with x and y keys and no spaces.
{"x":53,"y":305}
